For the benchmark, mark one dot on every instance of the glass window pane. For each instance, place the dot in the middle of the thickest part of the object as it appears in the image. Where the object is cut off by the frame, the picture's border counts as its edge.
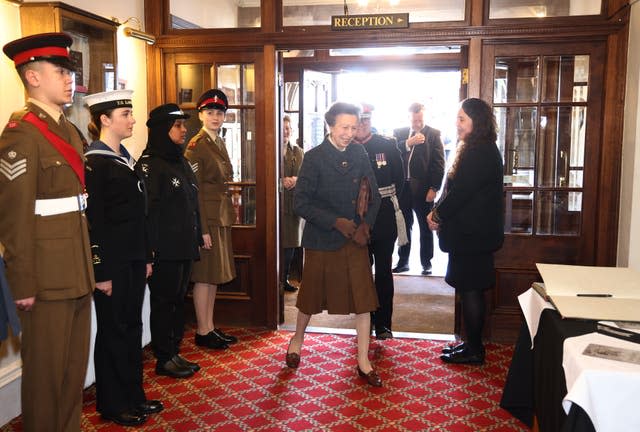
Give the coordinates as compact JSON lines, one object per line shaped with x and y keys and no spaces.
{"x":191,"y":14}
{"x":562,"y":143}
{"x":248,"y":84}
{"x":292,"y":96}
{"x":518,"y":212}
{"x":558,"y":212}
{"x":319,"y":12}
{"x":516,"y":79}
{"x":243,"y":198}
{"x":192,"y":81}
{"x":565,"y":78}
{"x":239,"y":136}
{"x":298,"y":53}
{"x":542,"y":9}
{"x":517,"y":143}
{"x":229,"y":82}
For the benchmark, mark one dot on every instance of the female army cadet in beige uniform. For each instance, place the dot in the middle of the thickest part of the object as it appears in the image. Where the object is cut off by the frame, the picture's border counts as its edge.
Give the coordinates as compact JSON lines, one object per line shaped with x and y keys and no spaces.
{"x":44,"y":230}
{"x":210,"y":162}
{"x":293,"y":156}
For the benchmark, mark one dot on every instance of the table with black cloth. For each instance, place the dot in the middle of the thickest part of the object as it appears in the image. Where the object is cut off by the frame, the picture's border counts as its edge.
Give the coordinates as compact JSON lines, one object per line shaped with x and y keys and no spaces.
{"x":536,"y":381}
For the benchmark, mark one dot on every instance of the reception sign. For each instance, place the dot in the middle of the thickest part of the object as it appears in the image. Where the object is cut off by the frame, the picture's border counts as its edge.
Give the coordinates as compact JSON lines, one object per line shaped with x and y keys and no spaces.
{"x":368,"y":22}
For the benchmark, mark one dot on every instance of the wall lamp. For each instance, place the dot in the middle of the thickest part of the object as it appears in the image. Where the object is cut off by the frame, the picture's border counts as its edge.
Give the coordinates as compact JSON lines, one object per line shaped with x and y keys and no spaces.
{"x":137,"y":33}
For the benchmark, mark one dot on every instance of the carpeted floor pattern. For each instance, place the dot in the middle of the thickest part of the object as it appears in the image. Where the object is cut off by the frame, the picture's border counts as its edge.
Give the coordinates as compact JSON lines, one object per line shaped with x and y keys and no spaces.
{"x":248,"y":388}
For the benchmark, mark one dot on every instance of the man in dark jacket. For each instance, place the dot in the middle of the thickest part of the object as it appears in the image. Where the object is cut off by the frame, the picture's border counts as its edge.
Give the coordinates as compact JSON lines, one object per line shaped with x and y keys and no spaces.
{"x":386,"y":163}
{"x":423,"y":155}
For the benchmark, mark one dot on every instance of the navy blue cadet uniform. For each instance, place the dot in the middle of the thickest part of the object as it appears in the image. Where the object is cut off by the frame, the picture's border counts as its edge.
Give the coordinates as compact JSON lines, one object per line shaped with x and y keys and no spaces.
{"x":116,"y":213}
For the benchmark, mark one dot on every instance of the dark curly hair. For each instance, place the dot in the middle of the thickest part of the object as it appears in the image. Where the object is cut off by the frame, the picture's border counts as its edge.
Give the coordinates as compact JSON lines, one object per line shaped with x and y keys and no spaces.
{"x":484,"y":122}
{"x":484,"y":130}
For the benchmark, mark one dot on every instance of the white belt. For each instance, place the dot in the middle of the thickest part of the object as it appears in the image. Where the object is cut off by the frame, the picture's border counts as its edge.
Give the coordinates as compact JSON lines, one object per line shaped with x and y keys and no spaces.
{"x":55,"y":206}
{"x":390,"y":192}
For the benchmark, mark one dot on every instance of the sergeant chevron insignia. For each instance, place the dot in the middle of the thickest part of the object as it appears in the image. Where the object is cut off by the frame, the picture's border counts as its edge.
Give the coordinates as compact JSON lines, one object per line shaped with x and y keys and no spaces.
{"x":13,"y":170}
{"x":194,"y":166}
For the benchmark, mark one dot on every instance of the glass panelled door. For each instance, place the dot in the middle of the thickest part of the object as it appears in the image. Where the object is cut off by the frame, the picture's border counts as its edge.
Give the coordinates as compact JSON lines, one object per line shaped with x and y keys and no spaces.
{"x":540,"y":104}
{"x":237,"y":81}
{"x":547,"y":99}
{"x":188,"y":76}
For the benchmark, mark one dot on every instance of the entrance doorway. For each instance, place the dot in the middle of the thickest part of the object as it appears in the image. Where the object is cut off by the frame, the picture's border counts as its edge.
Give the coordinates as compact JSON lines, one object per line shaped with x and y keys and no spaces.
{"x":422,"y":305}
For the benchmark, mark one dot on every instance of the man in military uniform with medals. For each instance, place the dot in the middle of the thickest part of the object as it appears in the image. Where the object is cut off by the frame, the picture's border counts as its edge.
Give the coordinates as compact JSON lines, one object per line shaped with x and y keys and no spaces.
{"x":44,"y":230}
{"x":386,"y":163}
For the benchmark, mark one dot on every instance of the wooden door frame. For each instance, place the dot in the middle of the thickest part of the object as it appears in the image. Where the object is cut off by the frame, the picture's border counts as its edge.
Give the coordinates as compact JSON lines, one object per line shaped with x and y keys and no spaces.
{"x":475,"y":31}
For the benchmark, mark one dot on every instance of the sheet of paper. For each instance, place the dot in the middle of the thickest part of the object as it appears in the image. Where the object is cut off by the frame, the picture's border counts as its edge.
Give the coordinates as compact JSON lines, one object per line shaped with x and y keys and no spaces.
{"x":613,"y":353}
{"x":619,"y":282}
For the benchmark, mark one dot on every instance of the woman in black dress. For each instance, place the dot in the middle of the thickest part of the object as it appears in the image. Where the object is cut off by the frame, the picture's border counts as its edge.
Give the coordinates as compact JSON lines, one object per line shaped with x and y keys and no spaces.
{"x":470,"y":223}
{"x":116,"y":215}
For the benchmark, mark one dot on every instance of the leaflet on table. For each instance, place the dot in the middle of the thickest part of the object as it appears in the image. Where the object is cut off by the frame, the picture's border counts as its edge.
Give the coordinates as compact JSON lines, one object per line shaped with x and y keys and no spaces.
{"x":613,"y":353}
{"x":597,"y":293}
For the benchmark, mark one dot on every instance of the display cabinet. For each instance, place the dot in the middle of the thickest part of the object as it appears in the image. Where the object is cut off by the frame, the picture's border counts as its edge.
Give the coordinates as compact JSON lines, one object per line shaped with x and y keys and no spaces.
{"x":93,"y":48}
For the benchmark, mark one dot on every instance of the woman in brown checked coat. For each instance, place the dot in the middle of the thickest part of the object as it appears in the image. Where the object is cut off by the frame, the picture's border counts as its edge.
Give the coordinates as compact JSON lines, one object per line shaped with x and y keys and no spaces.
{"x":210,"y":162}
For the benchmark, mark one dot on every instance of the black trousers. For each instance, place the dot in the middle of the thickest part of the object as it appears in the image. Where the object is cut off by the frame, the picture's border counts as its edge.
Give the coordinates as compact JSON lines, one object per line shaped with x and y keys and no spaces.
{"x":118,"y":349}
{"x":381,"y":255}
{"x":410,"y":205}
{"x":168,"y":286}
{"x":287,"y":255}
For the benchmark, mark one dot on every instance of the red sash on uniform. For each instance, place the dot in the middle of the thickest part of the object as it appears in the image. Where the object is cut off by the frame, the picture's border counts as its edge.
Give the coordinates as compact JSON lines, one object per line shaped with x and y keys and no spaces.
{"x":64,"y":148}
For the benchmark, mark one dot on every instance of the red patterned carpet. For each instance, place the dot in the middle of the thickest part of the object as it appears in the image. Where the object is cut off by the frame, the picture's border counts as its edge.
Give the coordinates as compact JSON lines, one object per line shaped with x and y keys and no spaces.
{"x":248,"y":388}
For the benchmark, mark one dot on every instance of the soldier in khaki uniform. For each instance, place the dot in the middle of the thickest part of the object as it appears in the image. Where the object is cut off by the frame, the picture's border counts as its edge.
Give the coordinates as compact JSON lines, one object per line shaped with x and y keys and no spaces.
{"x":44,"y":230}
{"x":210,"y":162}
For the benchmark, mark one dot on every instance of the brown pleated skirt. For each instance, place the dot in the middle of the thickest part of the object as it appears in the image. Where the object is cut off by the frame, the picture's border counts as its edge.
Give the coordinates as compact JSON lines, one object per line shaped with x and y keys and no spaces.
{"x":339,"y":282}
{"x":216,"y":265}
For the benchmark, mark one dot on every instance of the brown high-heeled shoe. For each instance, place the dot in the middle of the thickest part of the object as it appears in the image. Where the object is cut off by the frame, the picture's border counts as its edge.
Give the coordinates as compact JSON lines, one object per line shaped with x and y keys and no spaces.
{"x":292,"y":359}
{"x":372,"y":377}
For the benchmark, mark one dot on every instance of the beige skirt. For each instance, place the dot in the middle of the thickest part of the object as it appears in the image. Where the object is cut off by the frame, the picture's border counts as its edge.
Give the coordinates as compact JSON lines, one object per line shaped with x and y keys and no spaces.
{"x":339,"y":282}
{"x":216,"y":265}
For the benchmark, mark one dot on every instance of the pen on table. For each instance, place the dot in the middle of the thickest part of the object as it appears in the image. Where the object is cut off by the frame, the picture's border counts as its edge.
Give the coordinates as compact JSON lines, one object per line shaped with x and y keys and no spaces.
{"x":594,"y":295}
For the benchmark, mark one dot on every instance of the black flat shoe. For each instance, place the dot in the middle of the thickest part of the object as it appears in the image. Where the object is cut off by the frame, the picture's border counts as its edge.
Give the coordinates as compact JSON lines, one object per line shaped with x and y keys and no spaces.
{"x":225,"y":337}
{"x":372,"y":377}
{"x":183,"y":362}
{"x":149,"y":407}
{"x":383,"y":333}
{"x":126,"y":418}
{"x":400,"y":268}
{"x":210,"y":340}
{"x":173,"y":370}
{"x":463,"y":357}
{"x":288,"y":287}
{"x":451,"y":348}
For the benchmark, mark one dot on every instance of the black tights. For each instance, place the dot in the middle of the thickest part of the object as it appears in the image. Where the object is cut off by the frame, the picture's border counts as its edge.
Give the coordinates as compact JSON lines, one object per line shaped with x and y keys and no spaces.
{"x":473,"y":311}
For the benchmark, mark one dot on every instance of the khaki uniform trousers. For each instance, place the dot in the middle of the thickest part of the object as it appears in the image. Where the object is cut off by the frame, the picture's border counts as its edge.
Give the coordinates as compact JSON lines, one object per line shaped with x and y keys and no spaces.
{"x":55,"y":352}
